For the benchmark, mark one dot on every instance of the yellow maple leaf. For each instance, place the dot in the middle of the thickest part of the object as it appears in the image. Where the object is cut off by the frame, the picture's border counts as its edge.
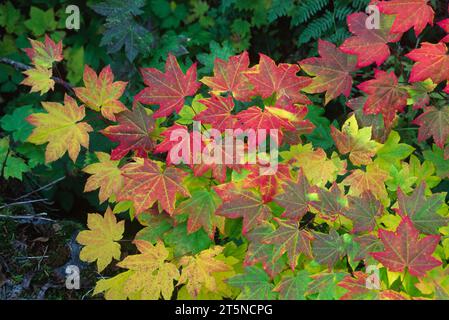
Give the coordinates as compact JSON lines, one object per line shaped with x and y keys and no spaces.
{"x":106,"y":175}
{"x":197,"y":271}
{"x":153,"y":276}
{"x":100,"y":241}
{"x":60,"y":127}
{"x":357,"y":142}
{"x":101,"y":92}
{"x":373,"y":180}
{"x":113,"y":288}
{"x":39,"y":79}
{"x":317,"y":167}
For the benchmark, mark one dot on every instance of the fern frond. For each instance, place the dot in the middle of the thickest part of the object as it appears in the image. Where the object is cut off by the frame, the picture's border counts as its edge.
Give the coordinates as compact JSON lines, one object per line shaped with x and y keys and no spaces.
{"x":306,"y":9}
{"x":317,"y":28}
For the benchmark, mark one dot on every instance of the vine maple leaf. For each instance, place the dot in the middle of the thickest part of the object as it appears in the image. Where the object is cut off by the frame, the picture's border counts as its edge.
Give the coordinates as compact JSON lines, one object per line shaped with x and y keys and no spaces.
{"x":414,"y":14}
{"x":100,"y":242}
{"x":363,"y":211}
{"x":328,"y":248}
{"x":255,"y":284}
{"x":358,"y":289}
{"x":39,"y":79}
{"x":294,"y":198}
{"x":259,"y":251}
{"x":282,"y":80}
{"x":269,"y":185}
{"x":229,"y":76}
{"x":432,"y":62}
{"x":434,"y":123}
{"x":293,"y":287}
{"x":101,"y":93}
{"x":218,"y":112}
{"x":257,"y":119}
{"x":45,"y":53}
{"x":332,"y":71}
{"x":370,"y":45}
{"x":168,"y":89}
{"x":308,"y":159}
{"x":61,"y":128}
{"x":385,"y":96}
{"x":145,"y":183}
{"x":152,"y":275}
{"x":106,"y":176}
{"x":242,"y":203}
{"x":373,"y":180}
{"x":201,"y":209}
{"x":197,"y":271}
{"x":291,"y":239}
{"x":422,"y":211}
{"x":404,"y":249}
{"x":357,"y":142}
{"x":133,"y":133}
{"x":330,"y":203}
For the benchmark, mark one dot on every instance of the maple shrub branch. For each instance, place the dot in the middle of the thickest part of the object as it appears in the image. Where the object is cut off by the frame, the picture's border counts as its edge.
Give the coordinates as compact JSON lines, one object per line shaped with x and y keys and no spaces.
{"x":23,"y":67}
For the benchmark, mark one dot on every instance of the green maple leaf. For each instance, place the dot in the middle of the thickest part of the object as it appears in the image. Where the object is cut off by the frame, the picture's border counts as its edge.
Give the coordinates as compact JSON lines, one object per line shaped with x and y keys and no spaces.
{"x":392,"y":152}
{"x":400,"y":178}
{"x":184,"y":243}
{"x":41,"y":21}
{"x":436,"y":156}
{"x":424,"y":172}
{"x":325,"y":285}
{"x":254,"y":283}
{"x":329,"y":248}
{"x":11,"y":166}
{"x":200,"y":211}
{"x":16,"y":123}
{"x":293,"y":286}
{"x":423,"y":211}
{"x":222,"y":51}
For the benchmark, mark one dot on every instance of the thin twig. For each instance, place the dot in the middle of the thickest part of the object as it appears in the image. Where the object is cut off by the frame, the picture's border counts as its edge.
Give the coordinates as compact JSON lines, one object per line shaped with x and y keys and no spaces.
{"x":21,"y":66}
{"x":41,"y":188}
{"x":28,"y":217}
{"x":22,"y":202}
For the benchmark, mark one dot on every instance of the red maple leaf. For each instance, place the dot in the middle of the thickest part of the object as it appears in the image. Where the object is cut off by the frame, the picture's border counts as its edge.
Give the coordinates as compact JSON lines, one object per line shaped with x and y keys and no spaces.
{"x":45,"y":53}
{"x":408,"y":14}
{"x":145,"y":183}
{"x":242,"y":203}
{"x":358,"y":289}
{"x":228,"y":158}
{"x":218,"y":112}
{"x":432,"y":62}
{"x":294,"y":197}
{"x":434,"y":123}
{"x":230,"y":77}
{"x":257,"y":119}
{"x":385,"y":96}
{"x":269,"y":185}
{"x":168,"y":89}
{"x":132,"y":133}
{"x":404,"y":249}
{"x":332,"y":71}
{"x":178,"y":135}
{"x":292,"y":239}
{"x":370,"y":45}
{"x":268,"y":78}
